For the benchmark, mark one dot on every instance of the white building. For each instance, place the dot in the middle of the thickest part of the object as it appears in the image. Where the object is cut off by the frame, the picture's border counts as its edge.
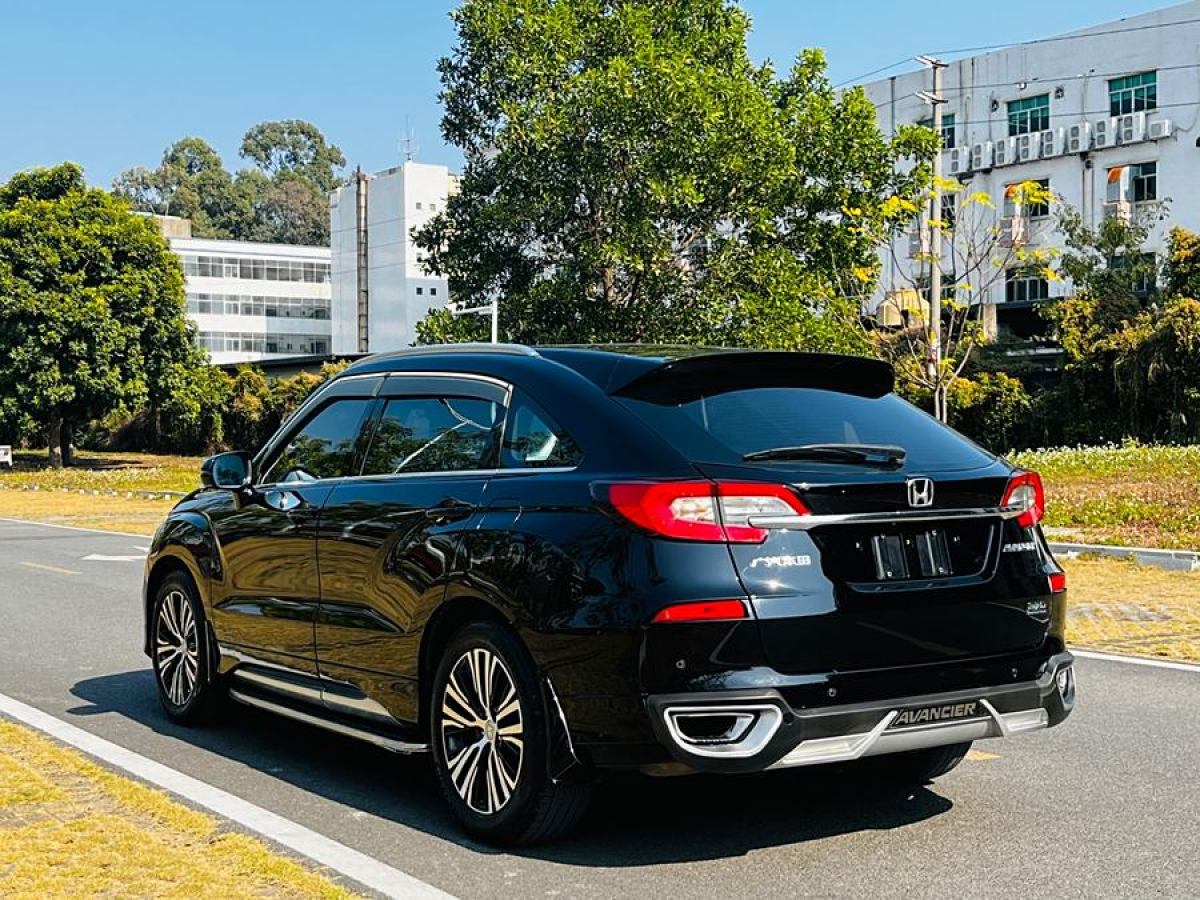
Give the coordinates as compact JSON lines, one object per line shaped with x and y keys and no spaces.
{"x":254,"y":301}
{"x":380,"y":287}
{"x":1107,"y":117}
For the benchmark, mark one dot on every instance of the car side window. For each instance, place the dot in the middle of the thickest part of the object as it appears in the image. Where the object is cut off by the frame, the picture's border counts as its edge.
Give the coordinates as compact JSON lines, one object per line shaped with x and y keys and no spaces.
{"x":534,"y":440}
{"x":434,"y":434}
{"x":324,"y":447}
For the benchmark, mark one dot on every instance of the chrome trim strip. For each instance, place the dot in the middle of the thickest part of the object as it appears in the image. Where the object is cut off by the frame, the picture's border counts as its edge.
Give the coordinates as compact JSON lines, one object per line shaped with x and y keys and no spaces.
{"x":768,"y":718}
{"x":278,"y":685}
{"x":879,"y":740}
{"x":378,"y":740}
{"x":355,"y":705}
{"x":804,"y":523}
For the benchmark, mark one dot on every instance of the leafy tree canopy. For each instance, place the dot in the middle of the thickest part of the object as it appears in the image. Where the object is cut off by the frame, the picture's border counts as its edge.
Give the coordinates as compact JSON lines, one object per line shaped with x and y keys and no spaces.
{"x":91,"y":305}
{"x":631,"y":176}
{"x":283,"y":198}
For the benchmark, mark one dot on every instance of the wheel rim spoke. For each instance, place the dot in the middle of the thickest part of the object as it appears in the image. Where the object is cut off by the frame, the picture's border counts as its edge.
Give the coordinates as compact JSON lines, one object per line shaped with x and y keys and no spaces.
{"x":482,"y":730}
{"x":177,"y":648}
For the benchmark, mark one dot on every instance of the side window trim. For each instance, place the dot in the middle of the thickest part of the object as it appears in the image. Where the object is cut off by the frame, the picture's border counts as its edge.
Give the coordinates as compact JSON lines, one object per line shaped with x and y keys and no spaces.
{"x":508,"y":461}
{"x":347,"y":386}
{"x":368,"y":420}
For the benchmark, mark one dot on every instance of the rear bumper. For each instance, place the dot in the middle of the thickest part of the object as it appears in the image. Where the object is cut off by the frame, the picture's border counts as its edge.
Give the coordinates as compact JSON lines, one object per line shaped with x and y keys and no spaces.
{"x":764,"y":732}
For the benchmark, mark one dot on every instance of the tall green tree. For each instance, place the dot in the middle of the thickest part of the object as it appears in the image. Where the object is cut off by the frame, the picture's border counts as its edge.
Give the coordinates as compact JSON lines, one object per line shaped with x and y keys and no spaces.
{"x":92,"y":313}
{"x":282,"y":197}
{"x":632,"y":176}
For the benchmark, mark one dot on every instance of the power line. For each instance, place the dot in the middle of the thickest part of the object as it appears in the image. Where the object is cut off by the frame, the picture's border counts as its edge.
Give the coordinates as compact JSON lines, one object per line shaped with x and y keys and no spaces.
{"x":1107,"y":113}
{"x":1056,"y":78}
{"x":857,"y":78}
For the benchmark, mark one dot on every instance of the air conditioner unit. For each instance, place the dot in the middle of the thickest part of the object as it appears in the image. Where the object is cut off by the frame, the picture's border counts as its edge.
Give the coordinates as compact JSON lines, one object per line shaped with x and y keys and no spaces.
{"x":1160,"y":129}
{"x":1027,"y":147}
{"x":981,"y":156}
{"x":1119,"y":209}
{"x":1013,"y":232}
{"x":1079,"y":138}
{"x":958,"y":160}
{"x":1051,"y":143}
{"x":1005,"y":153}
{"x":1131,"y":128}
{"x":1104,"y":134}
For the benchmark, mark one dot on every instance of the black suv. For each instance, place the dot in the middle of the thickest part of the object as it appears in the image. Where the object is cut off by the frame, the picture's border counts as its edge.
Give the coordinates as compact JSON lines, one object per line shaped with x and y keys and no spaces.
{"x":542,"y":563}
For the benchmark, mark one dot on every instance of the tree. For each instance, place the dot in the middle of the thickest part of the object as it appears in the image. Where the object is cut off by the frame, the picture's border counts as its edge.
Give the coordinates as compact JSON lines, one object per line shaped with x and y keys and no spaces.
{"x":631,"y":176}
{"x":285,"y":199}
{"x":979,"y":249}
{"x":294,"y":147}
{"x":92,"y":312}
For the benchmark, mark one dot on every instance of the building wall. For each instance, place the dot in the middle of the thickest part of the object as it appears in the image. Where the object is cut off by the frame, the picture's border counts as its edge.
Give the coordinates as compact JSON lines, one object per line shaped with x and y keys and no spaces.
{"x":400,"y":292}
{"x":1075,"y":73}
{"x":253,"y":301}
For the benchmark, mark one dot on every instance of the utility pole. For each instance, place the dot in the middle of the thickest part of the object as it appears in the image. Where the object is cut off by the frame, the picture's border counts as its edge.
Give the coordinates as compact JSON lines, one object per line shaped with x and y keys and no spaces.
{"x":936,"y":100}
{"x":492,"y":309}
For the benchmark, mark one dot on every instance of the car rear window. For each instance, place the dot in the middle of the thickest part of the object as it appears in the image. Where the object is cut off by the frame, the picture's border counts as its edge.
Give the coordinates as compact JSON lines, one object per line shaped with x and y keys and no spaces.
{"x":722,"y":427}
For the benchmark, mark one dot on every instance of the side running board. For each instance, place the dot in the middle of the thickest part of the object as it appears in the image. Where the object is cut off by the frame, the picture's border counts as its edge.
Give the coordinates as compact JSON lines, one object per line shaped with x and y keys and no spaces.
{"x":363,"y":734}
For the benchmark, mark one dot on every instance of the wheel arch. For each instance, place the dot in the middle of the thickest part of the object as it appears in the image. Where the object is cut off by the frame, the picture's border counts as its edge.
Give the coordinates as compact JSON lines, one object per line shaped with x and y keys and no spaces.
{"x":447,"y":619}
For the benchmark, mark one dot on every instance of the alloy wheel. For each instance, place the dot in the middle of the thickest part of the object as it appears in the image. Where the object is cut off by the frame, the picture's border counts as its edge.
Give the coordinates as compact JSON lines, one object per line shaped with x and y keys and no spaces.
{"x":482,"y":730}
{"x":177,"y":648}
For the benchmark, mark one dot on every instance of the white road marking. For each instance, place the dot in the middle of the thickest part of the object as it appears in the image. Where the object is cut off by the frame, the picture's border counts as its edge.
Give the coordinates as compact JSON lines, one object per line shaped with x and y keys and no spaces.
{"x":72,"y":527}
{"x":366,"y":870}
{"x":100,"y":557}
{"x":1137,"y":660}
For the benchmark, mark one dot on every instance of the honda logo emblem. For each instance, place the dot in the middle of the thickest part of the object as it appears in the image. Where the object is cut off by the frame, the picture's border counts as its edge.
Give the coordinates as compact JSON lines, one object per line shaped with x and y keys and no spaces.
{"x":920,"y":492}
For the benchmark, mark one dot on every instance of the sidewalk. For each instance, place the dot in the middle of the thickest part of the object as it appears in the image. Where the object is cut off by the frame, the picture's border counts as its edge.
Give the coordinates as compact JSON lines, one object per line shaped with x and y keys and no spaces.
{"x":69,"y":827}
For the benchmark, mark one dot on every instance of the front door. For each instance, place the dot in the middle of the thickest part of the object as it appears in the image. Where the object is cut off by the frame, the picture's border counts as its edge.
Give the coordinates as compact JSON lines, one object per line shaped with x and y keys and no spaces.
{"x":265,"y":604}
{"x":388,"y":541}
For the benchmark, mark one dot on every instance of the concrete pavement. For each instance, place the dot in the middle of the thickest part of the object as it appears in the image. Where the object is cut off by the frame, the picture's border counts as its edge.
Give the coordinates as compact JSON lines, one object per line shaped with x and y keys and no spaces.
{"x":1106,"y":805}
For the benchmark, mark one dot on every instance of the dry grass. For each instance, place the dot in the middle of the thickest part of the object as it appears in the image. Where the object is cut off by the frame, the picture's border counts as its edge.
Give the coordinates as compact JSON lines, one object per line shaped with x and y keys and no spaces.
{"x":106,"y":472}
{"x":135,"y":515}
{"x":70,"y":828}
{"x":1122,"y":607}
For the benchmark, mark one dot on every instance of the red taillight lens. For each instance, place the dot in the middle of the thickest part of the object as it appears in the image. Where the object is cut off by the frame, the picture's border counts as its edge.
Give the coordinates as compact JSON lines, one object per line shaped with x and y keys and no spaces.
{"x":1025,"y":490}
{"x":703,"y":510}
{"x":1058,"y":582}
{"x":702,"y":611}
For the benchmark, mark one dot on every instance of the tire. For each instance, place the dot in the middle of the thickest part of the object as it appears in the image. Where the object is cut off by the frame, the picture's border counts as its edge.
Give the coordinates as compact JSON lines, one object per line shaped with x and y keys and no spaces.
{"x":180,"y":653}
{"x":490,"y":751}
{"x":916,"y":766}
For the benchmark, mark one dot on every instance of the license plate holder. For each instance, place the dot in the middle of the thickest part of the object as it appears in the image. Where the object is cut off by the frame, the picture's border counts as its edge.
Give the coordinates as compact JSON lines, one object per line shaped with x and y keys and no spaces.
{"x":899,"y":557}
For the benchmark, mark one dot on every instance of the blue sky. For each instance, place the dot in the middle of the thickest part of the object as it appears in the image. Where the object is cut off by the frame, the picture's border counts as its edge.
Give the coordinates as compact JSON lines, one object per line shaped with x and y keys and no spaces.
{"x":110,"y":84}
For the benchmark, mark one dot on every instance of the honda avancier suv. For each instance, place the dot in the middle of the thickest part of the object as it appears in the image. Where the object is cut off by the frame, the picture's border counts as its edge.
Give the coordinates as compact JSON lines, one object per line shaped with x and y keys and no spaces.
{"x":539,"y":564}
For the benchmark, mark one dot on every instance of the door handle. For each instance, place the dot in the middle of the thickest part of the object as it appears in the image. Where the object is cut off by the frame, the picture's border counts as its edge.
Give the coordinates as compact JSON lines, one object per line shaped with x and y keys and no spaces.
{"x":449,"y":510}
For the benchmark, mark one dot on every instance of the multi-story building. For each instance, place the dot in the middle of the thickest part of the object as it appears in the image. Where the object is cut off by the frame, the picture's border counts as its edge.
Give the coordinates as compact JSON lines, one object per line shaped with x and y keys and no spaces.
{"x":252,"y":301}
{"x":380,"y":286}
{"x":1107,"y":118}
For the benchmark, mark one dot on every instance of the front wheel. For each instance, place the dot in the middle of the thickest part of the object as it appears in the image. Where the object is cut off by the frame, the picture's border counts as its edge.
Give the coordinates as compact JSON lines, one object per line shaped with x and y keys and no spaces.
{"x":490,"y":738}
{"x":180,"y":655}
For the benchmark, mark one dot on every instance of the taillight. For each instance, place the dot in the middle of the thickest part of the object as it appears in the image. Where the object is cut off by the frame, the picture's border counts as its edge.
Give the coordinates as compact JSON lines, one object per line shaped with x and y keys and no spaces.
{"x":1025,"y":490}
{"x":703,"y":510}
{"x":702,"y":611}
{"x":1058,"y":582}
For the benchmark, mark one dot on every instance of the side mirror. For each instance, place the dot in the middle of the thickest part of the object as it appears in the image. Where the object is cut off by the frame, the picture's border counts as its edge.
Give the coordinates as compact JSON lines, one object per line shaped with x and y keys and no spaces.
{"x":228,"y":471}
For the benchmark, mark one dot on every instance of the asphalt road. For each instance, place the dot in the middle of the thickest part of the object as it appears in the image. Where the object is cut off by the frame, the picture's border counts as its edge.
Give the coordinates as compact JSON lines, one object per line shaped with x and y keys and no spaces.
{"x":1106,"y":805}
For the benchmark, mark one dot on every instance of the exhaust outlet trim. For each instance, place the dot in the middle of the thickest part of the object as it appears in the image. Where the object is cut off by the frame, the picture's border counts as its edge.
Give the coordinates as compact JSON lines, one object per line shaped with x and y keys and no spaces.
{"x":753,"y":727}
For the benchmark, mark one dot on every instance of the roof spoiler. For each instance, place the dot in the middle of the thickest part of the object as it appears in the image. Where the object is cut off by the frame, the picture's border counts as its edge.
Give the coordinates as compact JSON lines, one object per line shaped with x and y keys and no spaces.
{"x":688,"y":378}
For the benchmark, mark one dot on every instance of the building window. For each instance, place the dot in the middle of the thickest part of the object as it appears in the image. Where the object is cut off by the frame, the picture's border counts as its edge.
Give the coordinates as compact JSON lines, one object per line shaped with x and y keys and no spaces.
{"x":420,"y":291}
{"x":1143,"y":181}
{"x":243,"y":342}
{"x":1028,"y":115}
{"x":1133,"y":93}
{"x":947,"y":129}
{"x":418,"y":204}
{"x":433,"y":292}
{"x":1023,"y":286}
{"x":949,"y":210}
{"x":1028,"y":210}
{"x":254,"y":269}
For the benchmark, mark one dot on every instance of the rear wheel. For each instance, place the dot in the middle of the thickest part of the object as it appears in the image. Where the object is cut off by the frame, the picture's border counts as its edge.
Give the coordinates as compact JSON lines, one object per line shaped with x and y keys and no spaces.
{"x":180,"y":652}
{"x":490,"y":738}
{"x":916,"y":766}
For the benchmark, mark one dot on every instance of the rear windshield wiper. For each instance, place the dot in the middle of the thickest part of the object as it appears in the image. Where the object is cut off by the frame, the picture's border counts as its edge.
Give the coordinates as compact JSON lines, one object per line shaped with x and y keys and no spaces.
{"x":855,"y":454}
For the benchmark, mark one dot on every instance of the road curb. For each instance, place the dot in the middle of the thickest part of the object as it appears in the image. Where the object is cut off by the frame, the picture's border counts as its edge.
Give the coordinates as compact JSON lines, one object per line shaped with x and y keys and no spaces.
{"x":1173,"y":560}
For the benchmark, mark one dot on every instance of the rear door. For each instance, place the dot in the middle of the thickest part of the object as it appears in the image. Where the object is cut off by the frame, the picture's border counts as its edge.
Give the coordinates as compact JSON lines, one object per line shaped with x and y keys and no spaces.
{"x":849,"y":595}
{"x":388,"y":540}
